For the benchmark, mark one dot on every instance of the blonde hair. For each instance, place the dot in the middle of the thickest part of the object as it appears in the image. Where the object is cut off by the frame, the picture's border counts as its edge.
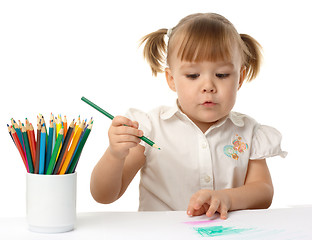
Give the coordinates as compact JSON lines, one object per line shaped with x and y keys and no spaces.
{"x":200,"y":37}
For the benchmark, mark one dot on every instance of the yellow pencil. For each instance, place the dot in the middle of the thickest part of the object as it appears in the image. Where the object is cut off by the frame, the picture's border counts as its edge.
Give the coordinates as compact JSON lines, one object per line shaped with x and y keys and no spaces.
{"x":58,"y":125}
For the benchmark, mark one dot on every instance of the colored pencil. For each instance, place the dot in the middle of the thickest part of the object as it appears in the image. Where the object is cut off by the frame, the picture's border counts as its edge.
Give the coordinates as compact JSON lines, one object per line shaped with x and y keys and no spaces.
{"x":65,"y":146}
{"x":9,"y":129}
{"x":81,"y":136}
{"x":49,"y":147}
{"x":55,"y":151}
{"x":74,"y":162}
{"x":145,"y":139}
{"x":38,"y":148}
{"x":71,"y":150}
{"x":22,"y":140}
{"x":27,"y":149}
{"x":33,"y":143}
{"x":54,"y":135}
{"x":77,"y":124}
{"x":58,"y":125}
{"x":19,"y":134}
{"x":65,"y":126}
{"x":42,"y":149}
{"x":19,"y":147}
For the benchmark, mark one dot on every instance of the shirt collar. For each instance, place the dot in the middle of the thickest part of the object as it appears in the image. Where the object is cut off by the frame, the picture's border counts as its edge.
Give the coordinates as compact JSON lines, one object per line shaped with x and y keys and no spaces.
{"x":170,"y":111}
{"x":235,"y":118}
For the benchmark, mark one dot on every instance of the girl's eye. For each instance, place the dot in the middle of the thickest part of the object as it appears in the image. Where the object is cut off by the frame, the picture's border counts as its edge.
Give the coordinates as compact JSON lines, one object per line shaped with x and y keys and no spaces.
{"x":192,"y":76}
{"x":222,"y":75}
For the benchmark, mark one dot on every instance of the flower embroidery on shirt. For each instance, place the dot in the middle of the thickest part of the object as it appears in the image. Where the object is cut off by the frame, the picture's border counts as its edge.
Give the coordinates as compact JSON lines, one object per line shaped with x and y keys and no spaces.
{"x":237,"y":148}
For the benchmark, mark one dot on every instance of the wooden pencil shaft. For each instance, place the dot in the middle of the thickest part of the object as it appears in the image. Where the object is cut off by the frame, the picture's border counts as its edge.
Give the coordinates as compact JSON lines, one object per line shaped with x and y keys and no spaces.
{"x":97,"y":108}
{"x":145,"y":139}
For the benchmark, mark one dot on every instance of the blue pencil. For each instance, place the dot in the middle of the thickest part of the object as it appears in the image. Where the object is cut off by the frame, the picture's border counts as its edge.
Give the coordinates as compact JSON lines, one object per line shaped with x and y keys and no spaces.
{"x":42,"y":150}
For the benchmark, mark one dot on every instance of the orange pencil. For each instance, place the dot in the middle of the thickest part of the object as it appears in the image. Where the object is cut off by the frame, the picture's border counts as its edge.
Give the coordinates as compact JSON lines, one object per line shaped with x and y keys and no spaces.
{"x":19,"y":147}
{"x":65,"y":126}
{"x":32,"y":153}
{"x":72,"y":149}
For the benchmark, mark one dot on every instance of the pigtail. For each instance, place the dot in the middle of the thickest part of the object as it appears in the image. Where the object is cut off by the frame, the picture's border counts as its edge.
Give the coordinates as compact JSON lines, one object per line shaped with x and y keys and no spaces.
{"x":155,"y":50}
{"x":253,"y":57}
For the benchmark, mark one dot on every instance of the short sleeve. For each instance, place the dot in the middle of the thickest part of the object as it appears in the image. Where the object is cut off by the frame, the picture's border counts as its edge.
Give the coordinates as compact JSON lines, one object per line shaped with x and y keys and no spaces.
{"x":266,"y":143}
{"x":144,"y":124}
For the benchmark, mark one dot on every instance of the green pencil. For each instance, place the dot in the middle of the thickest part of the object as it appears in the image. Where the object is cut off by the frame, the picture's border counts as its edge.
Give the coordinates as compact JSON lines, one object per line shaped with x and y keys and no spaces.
{"x":55,"y":152}
{"x":145,"y":139}
{"x":27,"y":149}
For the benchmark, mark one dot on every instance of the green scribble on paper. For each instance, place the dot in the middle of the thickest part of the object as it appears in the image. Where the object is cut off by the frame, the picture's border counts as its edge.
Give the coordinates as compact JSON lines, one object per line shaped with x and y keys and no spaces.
{"x":215,"y":231}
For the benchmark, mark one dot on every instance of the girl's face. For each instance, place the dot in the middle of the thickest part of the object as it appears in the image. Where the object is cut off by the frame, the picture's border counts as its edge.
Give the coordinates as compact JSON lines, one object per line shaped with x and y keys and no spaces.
{"x":206,"y":90}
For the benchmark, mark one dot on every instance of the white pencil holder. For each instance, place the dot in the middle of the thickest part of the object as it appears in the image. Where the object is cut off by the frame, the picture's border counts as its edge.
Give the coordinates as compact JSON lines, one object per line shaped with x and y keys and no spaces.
{"x":51,"y":202}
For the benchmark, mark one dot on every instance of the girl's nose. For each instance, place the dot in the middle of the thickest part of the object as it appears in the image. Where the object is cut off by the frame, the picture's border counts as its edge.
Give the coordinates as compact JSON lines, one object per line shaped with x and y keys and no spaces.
{"x":209,"y":87}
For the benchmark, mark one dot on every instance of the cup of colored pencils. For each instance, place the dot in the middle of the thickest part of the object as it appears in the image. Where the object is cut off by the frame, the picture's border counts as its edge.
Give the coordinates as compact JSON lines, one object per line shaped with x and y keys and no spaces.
{"x":54,"y":148}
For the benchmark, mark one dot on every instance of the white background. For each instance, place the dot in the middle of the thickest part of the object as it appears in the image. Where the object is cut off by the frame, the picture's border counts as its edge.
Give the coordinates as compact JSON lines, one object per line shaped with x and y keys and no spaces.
{"x":54,"y":52}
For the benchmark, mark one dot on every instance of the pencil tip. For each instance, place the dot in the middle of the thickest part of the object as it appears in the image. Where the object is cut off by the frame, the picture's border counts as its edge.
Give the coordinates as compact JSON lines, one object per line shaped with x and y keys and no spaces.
{"x":155,"y":146}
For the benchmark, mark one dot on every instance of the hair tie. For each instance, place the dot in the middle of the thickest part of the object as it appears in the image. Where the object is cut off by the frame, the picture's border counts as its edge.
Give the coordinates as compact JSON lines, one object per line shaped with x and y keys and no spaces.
{"x":169,"y":31}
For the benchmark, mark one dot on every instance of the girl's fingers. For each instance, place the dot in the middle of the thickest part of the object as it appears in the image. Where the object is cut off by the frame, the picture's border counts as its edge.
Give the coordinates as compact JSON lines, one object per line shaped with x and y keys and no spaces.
{"x":223,"y":212}
{"x":124,"y":126}
{"x":198,"y":203}
{"x":127,"y":138}
{"x":214,"y":205}
{"x":201,"y":200}
{"x":120,"y":120}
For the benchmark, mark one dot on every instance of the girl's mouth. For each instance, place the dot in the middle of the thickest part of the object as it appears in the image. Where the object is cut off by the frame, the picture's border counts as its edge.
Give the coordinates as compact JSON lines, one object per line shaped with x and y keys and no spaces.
{"x":209,"y":104}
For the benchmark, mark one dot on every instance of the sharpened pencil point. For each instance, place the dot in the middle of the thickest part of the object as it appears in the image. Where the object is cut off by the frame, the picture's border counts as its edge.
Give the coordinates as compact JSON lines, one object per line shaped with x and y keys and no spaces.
{"x":155,"y":146}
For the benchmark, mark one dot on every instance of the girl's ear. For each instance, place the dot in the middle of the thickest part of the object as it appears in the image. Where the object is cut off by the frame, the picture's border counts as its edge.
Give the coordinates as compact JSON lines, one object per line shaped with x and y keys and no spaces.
{"x":242,"y":76}
{"x":170,"y":79}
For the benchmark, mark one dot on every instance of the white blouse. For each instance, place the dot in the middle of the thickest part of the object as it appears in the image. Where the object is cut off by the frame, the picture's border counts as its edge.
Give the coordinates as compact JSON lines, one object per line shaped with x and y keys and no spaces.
{"x":190,"y":160}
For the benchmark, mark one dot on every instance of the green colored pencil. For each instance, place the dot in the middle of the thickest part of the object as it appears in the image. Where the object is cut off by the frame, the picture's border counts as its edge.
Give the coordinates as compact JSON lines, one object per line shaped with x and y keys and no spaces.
{"x":27,"y":149}
{"x":145,"y":139}
{"x":55,"y":152}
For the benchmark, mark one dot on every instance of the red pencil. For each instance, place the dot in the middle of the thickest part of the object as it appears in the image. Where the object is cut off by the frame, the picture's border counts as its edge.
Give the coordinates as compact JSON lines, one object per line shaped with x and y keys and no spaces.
{"x":32,"y":141}
{"x":19,"y":147}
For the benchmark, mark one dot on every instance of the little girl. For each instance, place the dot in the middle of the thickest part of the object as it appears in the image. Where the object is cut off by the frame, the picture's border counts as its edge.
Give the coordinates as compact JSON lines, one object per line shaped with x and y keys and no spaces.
{"x":211,"y":159}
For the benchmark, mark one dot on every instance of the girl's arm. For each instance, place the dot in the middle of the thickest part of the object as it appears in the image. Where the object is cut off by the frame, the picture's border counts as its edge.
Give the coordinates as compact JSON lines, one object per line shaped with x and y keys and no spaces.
{"x":122,"y":160}
{"x":257,"y":192}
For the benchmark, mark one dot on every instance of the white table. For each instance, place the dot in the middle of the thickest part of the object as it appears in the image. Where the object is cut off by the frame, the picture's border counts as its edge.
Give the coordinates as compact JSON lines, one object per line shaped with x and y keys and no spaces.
{"x":288,"y":223}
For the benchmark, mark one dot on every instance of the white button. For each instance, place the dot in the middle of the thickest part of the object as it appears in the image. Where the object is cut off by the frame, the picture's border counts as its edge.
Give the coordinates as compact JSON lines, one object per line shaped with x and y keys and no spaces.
{"x":207,"y":178}
{"x":204,"y":144}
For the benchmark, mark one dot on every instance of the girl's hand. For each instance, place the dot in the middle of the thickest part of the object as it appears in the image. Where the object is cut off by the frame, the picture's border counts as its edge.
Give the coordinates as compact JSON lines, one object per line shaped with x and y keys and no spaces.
{"x":209,"y":202}
{"x":123,"y":134}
